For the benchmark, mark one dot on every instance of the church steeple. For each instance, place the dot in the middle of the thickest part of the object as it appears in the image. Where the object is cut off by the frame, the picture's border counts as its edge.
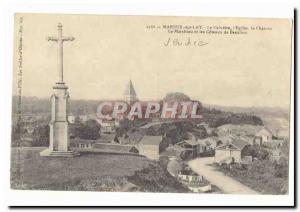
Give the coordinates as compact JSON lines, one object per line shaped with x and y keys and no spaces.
{"x":130,"y":94}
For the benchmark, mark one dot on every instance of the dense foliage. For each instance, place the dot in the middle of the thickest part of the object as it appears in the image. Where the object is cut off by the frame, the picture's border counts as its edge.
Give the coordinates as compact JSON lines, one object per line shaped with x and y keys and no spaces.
{"x":176,"y":96}
{"x":263,"y":175}
{"x":89,"y":130}
{"x":155,"y":178}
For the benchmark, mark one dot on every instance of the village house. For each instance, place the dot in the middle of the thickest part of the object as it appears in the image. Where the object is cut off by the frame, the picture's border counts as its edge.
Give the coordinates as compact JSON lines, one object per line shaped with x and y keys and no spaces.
{"x":238,"y":130}
{"x":191,"y":147}
{"x":231,"y":137}
{"x":71,"y":119}
{"x":275,"y":154}
{"x":193,"y":181}
{"x":82,"y":144}
{"x":230,"y":152}
{"x":191,"y":178}
{"x":210,"y":143}
{"x":151,"y":146}
{"x":276,"y":143}
{"x":275,"y":149}
{"x":173,"y":151}
{"x":107,"y":126}
{"x":258,"y":135}
{"x":83,"y":118}
{"x":263,"y":136}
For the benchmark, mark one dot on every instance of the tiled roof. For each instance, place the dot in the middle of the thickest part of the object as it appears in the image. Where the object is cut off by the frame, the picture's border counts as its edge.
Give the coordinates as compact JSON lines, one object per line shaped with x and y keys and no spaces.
{"x":208,"y":140}
{"x":131,"y":138}
{"x":114,"y":147}
{"x":265,"y":128}
{"x":151,"y":140}
{"x":234,"y":144}
{"x":240,"y":129}
{"x":146,"y":126}
{"x":190,"y":142}
{"x":239,"y":144}
{"x":157,"y":123}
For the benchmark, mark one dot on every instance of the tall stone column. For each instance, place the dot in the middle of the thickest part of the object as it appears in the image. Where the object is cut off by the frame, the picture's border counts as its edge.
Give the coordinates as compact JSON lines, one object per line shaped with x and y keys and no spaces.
{"x":59,"y":129}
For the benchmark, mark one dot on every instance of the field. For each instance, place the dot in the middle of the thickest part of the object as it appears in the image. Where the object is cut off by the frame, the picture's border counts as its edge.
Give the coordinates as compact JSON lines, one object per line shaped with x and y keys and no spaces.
{"x":88,"y":172}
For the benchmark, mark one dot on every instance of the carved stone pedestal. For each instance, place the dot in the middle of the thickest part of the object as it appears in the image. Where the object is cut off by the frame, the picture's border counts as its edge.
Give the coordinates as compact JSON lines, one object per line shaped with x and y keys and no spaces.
{"x":59,"y":135}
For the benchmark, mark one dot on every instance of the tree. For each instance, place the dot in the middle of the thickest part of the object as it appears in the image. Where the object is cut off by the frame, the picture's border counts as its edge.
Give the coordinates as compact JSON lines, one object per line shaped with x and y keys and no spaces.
{"x":41,"y":136}
{"x":89,"y":130}
{"x":124,"y":127}
{"x":201,"y":132}
{"x":77,"y":120}
{"x":176,"y":96}
{"x":243,"y":119}
{"x":177,"y":133}
{"x":256,"y":152}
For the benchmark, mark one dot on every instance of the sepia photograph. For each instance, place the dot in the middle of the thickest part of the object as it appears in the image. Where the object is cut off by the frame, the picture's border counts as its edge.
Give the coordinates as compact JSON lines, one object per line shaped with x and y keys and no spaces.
{"x":151,"y":104}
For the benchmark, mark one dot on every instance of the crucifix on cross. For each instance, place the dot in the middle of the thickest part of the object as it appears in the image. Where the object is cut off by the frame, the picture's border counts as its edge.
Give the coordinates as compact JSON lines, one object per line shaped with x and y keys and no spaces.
{"x":60,"y":39}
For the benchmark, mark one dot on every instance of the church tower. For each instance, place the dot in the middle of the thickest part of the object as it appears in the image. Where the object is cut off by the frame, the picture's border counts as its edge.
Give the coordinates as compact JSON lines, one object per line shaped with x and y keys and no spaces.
{"x":130,"y":95}
{"x":59,"y":125}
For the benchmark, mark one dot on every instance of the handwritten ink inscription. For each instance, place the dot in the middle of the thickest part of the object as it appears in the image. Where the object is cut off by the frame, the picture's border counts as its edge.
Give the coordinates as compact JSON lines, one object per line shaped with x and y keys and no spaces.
{"x":184,"y":42}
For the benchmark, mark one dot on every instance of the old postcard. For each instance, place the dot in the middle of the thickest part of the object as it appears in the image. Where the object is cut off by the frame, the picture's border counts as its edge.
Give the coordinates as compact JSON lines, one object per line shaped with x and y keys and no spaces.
{"x":158,"y":104}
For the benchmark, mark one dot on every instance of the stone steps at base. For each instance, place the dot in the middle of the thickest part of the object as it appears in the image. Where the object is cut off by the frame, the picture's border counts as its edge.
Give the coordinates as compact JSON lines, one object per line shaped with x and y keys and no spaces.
{"x":60,"y":154}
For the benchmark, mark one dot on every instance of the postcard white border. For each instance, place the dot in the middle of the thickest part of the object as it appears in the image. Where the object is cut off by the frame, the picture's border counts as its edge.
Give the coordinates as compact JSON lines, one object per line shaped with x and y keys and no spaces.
{"x":275,"y":9}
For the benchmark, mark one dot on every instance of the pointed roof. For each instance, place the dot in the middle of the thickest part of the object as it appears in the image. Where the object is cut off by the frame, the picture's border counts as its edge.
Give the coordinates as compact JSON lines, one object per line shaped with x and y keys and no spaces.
{"x":130,"y":89}
{"x":264,"y":129}
{"x":234,"y":144}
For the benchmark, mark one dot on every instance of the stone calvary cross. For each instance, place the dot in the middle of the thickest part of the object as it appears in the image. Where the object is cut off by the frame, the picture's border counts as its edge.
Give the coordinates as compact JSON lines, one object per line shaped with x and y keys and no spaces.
{"x":60,"y":39}
{"x":59,"y":125}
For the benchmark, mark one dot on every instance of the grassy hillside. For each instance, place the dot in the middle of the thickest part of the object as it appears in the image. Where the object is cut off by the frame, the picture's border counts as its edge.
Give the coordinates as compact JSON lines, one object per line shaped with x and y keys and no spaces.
{"x":88,"y":172}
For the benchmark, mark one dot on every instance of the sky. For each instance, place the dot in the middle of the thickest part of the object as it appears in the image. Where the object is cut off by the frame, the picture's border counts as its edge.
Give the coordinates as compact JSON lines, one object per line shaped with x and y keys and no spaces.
{"x":230,"y":70}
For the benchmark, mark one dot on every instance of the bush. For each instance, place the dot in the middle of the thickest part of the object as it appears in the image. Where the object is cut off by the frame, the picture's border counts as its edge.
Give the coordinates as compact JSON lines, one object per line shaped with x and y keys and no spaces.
{"x":41,"y":136}
{"x":264,"y":176}
{"x":156,"y":179}
{"x":89,"y":130}
{"x":257,"y":152}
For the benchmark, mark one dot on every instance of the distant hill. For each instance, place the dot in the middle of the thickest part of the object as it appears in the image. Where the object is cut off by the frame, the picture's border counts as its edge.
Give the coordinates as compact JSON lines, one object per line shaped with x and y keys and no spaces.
{"x":275,"y":118}
{"x":215,"y":116}
{"x":35,"y":105}
{"x":264,"y":111}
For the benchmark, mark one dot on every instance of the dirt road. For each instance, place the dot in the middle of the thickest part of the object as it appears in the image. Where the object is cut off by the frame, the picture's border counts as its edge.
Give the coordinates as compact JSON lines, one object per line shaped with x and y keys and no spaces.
{"x":227,"y":184}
